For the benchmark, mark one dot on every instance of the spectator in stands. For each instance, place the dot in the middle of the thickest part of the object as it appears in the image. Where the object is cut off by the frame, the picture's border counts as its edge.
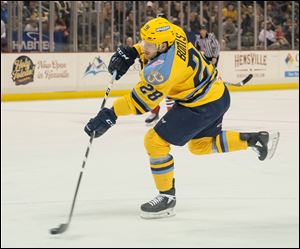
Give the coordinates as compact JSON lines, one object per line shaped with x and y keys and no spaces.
{"x":129,"y":42}
{"x":3,"y":37}
{"x":107,"y":46}
{"x":215,"y":10}
{"x":214,"y":25}
{"x":230,"y":34}
{"x":247,"y":26}
{"x":194,"y":22}
{"x":273,"y":12}
{"x":31,"y":17}
{"x":269,"y":33}
{"x":175,"y":10}
{"x":31,"y":26}
{"x":61,"y":33}
{"x":65,"y":12}
{"x":230,"y":12}
{"x":287,"y":30}
{"x":150,"y":10}
{"x":206,"y":14}
{"x":106,"y":16}
{"x":129,"y":24}
{"x":4,"y":13}
{"x":60,"y":25}
{"x":32,"y":11}
{"x":119,"y":15}
{"x":3,"y":30}
{"x":281,"y":41}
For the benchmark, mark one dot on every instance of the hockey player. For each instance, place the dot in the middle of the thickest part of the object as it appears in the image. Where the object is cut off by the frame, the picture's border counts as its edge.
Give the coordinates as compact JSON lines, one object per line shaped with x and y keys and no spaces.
{"x":154,"y":113}
{"x":177,"y":70}
{"x":206,"y":43}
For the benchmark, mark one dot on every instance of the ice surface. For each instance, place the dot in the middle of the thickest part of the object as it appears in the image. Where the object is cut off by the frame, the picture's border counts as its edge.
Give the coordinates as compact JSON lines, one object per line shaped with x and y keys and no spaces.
{"x":223,"y":200}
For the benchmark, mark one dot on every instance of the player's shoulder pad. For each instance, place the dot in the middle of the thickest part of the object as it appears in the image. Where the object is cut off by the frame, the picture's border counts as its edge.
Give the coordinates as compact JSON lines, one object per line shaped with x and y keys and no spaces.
{"x":158,"y":71}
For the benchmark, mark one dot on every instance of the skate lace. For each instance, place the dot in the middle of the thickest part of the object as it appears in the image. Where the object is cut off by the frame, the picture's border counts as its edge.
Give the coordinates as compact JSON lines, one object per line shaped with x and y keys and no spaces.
{"x":158,"y":199}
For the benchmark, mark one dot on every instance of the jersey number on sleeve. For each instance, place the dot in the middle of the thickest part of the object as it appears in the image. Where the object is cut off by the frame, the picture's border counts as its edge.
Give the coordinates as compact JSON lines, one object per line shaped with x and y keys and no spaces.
{"x":152,"y":93}
{"x":197,"y":65}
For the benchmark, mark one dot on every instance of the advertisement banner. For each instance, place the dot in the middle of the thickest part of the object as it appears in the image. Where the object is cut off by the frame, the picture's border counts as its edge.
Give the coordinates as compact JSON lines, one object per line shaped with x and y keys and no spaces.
{"x":62,"y":72}
{"x":31,"y":42}
{"x":26,"y":73}
{"x":289,"y":65}
{"x":234,"y":66}
{"x":92,"y":72}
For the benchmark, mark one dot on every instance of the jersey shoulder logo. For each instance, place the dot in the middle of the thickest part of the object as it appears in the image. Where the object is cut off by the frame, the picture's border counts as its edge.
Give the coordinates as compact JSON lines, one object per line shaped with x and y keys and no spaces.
{"x":155,"y":77}
{"x":159,"y":70}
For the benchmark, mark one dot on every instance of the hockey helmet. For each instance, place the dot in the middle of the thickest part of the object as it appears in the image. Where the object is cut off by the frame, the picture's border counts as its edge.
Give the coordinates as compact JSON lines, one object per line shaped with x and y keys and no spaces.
{"x":158,"y":31}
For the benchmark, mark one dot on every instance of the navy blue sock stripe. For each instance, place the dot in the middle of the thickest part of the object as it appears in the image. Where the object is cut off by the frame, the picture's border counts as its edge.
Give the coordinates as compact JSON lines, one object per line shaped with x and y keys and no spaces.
{"x":222,"y":143}
{"x":163,"y":168}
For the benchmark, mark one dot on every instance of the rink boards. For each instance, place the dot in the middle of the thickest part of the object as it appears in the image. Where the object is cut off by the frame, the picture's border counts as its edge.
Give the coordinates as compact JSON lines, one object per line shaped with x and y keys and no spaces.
{"x":30,"y":76}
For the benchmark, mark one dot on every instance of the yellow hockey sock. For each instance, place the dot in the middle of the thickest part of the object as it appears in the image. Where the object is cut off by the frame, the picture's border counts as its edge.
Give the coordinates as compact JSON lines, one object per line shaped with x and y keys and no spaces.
{"x":161,"y":162}
{"x":163,"y":172}
{"x":226,"y":141}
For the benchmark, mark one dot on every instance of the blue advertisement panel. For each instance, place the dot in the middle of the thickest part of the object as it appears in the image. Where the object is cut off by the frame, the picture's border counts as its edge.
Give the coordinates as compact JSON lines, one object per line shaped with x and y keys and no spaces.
{"x":31,"y":42}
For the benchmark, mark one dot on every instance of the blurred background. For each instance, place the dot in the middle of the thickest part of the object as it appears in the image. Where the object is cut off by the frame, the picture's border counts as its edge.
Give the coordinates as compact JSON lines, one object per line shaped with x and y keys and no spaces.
{"x":101,"y":26}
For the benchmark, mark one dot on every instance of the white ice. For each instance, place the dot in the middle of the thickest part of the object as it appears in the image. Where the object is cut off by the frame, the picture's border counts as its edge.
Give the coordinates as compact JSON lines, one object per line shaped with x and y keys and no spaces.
{"x":223,"y":200}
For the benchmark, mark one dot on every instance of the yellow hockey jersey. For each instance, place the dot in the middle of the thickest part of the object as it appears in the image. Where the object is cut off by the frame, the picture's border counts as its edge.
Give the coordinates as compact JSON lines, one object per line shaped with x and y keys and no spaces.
{"x":181,"y":73}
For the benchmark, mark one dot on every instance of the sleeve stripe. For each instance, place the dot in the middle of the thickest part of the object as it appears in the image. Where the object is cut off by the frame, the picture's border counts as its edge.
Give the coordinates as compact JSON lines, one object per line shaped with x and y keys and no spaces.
{"x":213,"y":74}
{"x":200,"y":95}
{"x":138,"y":111}
{"x":140,"y":102}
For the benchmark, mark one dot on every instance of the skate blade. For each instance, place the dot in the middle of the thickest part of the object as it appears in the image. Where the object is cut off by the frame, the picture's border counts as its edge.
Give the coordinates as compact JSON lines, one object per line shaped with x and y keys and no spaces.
{"x":162,"y":214}
{"x":273,"y":139}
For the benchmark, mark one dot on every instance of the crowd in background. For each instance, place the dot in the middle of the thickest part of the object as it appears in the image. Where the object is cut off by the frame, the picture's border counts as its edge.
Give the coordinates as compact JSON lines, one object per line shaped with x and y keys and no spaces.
{"x":278,"y":32}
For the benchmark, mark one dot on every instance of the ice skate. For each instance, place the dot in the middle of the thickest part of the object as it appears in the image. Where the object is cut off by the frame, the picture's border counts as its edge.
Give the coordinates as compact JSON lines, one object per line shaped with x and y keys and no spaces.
{"x":263,"y":143}
{"x":160,"y":207}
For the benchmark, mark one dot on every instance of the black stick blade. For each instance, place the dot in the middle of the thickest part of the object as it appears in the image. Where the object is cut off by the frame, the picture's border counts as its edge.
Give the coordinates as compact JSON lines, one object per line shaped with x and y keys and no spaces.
{"x":249,"y":77}
{"x":58,"y":230}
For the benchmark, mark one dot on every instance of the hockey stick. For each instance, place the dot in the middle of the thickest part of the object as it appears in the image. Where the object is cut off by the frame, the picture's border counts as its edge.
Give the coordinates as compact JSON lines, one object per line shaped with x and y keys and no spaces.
{"x":63,"y":227}
{"x":241,"y":83}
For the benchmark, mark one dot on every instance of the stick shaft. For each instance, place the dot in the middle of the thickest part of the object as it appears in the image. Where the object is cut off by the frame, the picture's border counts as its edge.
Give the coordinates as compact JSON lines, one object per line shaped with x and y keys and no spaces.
{"x":89,"y":148}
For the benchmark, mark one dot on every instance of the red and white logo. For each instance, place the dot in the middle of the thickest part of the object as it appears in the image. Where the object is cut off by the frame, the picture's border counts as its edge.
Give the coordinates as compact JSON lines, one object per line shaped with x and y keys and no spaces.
{"x":156,"y":63}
